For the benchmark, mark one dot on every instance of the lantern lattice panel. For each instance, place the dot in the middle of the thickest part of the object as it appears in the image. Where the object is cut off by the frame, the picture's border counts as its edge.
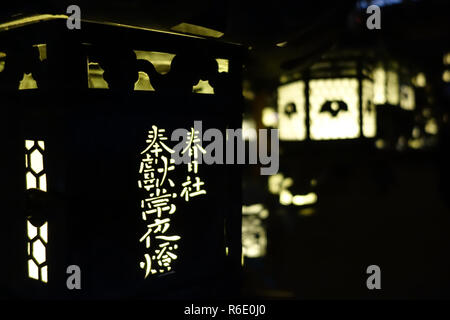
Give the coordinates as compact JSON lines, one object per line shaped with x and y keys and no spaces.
{"x":291,"y":111}
{"x":334,"y":108}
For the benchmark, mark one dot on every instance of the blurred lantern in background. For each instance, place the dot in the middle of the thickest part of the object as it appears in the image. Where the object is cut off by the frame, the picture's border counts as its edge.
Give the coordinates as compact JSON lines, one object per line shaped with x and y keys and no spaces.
{"x":332,"y":100}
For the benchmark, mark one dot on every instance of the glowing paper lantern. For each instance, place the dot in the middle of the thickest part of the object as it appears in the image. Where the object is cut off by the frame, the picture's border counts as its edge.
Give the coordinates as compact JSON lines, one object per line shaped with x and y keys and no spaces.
{"x":334,"y":100}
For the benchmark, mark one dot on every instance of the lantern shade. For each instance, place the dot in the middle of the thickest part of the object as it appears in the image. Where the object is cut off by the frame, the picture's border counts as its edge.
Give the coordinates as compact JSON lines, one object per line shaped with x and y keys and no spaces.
{"x":334,"y":109}
{"x":83,"y":126}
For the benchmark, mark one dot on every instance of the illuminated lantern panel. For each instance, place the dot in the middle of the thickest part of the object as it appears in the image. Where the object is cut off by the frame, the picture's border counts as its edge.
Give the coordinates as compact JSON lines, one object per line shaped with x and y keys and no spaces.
{"x":36,"y":249}
{"x":160,"y":195}
{"x":386,"y":86}
{"x":407,"y":97}
{"x":392,"y":88}
{"x":291,"y":111}
{"x":34,"y":163}
{"x":37,"y":236}
{"x":369,"y":111}
{"x":254,"y":234}
{"x":334,"y":109}
{"x":379,"y":90}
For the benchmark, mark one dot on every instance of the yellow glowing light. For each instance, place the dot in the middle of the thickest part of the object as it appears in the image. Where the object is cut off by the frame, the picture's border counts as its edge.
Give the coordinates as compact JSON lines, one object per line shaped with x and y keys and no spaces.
{"x":223,"y":65}
{"x":275,"y":182}
{"x":285,"y":197}
{"x":302,"y":200}
{"x":31,"y":181}
{"x":287,"y":182}
{"x":446,"y":76}
{"x":407,"y":99}
{"x":420,"y":80}
{"x":37,"y":238}
{"x":33,"y":270}
{"x":197,"y":30}
{"x":37,"y":161}
{"x":95,"y":76}
{"x":416,"y":143}
{"x":380,"y":144}
{"x":291,"y":111}
{"x":324,"y":125}
{"x":379,"y":76}
{"x":282,"y":44}
{"x":203,"y":87}
{"x":157,"y":205}
{"x":313,"y":182}
{"x":43,"y":232}
{"x":254,"y":237}
{"x":28,"y":82}
{"x":431,"y":127}
{"x":29,"y":144}
{"x":269,"y":117}
{"x":416,"y":132}
{"x":44,"y":276}
{"x":2,"y":61}
{"x":307,"y":211}
{"x":31,"y":230}
{"x":38,"y":251}
{"x":252,"y":209}
{"x":369,"y":112}
{"x":392,"y":88}
{"x":447,"y":59}
{"x":226,"y":251}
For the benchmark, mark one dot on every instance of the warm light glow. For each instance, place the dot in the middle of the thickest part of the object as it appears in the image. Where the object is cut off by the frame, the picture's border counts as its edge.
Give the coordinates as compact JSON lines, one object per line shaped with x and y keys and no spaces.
{"x":223,"y":65}
{"x":35,"y":171}
{"x":302,"y":200}
{"x":307,"y":211}
{"x":446,"y":76}
{"x":379,"y":77}
{"x":37,"y":237}
{"x":392,"y":88}
{"x":36,"y":240}
{"x":28,"y":82}
{"x":407,"y":98}
{"x":254,"y":235}
{"x":328,"y":125}
{"x":285,"y":197}
{"x":291,"y":111}
{"x":369,"y":111}
{"x":420,"y":80}
{"x":203,"y":86}
{"x":159,"y":192}
{"x":431,"y":127}
{"x":380,"y":144}
{"x":2,"y":61}
{"x":269,"y":117}
{"x":33,"y":270}
{"x":274,"y":183}
{"x":447,"y":59}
